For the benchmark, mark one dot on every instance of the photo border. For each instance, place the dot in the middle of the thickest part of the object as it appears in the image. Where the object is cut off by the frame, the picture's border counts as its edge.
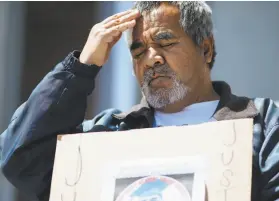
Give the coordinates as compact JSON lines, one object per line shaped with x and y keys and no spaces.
{"x":153,"y":167}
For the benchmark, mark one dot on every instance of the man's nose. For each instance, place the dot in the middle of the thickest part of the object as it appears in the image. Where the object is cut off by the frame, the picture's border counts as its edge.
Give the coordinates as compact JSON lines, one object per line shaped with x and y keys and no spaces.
{"x":154,"y":58}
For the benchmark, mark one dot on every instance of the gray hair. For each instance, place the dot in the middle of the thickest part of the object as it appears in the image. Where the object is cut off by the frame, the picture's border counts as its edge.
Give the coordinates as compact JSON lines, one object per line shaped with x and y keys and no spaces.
{"x":195,"y":19}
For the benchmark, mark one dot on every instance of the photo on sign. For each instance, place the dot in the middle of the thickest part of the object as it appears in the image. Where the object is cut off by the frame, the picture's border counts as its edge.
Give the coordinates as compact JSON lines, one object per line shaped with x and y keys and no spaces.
{"x":180,"y":179}
{"x":155,"y":188}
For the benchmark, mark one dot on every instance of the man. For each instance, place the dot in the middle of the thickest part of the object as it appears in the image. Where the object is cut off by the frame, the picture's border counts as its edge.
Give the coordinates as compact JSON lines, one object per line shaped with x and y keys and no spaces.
{"x":173,"y":51}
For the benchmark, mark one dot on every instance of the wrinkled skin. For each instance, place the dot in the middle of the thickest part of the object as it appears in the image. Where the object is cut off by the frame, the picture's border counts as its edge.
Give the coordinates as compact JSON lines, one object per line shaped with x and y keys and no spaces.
{"x":158,"y":40}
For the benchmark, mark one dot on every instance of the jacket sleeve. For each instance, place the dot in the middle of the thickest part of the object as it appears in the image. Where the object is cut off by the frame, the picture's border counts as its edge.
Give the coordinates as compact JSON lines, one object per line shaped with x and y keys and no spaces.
{"x":56,"y":106}
{"x":269,"y":156}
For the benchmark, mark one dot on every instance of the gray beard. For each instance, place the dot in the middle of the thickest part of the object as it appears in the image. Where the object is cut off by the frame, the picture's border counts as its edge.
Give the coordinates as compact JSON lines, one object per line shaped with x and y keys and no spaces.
{"x":160,"y":98}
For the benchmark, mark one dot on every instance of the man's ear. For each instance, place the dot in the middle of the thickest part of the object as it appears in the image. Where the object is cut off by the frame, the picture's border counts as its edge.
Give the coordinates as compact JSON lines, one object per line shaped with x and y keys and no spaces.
{"x":207,"y":47}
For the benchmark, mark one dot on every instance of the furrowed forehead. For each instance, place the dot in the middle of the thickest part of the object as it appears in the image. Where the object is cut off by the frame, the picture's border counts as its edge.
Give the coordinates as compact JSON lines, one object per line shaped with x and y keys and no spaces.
{"x":151,"y":19}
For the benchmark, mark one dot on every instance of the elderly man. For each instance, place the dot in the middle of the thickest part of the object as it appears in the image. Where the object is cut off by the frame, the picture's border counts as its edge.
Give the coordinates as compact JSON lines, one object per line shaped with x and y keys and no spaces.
{"x":173,"y":52}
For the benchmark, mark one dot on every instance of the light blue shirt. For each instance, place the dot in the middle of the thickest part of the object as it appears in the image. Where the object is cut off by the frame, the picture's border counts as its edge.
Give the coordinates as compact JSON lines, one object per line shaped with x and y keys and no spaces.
{"x":193,"y":114}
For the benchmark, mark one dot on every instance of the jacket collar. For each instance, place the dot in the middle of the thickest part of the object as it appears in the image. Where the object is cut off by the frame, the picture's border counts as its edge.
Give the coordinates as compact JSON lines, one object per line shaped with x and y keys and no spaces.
{"x":229,"y":107}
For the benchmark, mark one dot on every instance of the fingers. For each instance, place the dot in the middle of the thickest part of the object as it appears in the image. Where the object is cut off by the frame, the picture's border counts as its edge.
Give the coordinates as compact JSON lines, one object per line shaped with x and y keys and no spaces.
{"x":128,"y":16}
{"x":124,"y":26}
{"x":104,"y":35}
{"x":111,"y":29}
{"x":112,"y":36}
{"x":116,"y":16}
{"x":115,"y":31}
{"x":121,"y":27}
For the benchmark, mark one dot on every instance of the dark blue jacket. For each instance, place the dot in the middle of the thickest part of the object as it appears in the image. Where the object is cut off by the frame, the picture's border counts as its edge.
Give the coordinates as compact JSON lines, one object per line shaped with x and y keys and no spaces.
{"x":57,"y":105}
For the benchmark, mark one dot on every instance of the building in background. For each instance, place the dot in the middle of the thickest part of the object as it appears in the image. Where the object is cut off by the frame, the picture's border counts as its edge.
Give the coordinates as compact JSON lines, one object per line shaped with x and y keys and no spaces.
{"x":34,"y":36}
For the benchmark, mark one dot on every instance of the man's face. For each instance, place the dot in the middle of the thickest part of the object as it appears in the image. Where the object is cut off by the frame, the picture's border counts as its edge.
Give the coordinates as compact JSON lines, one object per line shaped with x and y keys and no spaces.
{"x":167,"y":63}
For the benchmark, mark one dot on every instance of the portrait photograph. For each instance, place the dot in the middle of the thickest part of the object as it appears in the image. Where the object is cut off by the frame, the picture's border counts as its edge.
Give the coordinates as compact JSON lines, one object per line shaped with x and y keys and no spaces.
{"x":155,"y":180}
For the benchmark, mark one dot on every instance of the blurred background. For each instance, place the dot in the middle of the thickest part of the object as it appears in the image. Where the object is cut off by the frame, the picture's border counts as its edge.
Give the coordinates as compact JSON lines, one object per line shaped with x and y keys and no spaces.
{"x":34,"y":36}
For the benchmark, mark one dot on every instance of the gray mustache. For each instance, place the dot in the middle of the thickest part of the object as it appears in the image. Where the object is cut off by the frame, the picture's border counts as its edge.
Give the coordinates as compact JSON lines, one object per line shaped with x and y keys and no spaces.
{"x":162,"y":69}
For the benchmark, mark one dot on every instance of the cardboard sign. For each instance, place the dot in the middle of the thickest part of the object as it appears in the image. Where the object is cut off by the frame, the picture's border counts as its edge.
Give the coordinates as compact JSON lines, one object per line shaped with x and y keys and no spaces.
{"x":210,"y":161}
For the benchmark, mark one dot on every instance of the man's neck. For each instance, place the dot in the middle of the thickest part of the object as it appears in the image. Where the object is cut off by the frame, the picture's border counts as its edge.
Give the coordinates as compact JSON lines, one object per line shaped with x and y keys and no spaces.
{"x":207,"y":95}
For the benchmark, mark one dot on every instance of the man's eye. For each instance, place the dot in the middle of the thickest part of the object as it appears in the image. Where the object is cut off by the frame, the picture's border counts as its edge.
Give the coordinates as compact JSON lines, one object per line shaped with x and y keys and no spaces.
{"x":167,"y":45}
{"x":139,"y":54}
